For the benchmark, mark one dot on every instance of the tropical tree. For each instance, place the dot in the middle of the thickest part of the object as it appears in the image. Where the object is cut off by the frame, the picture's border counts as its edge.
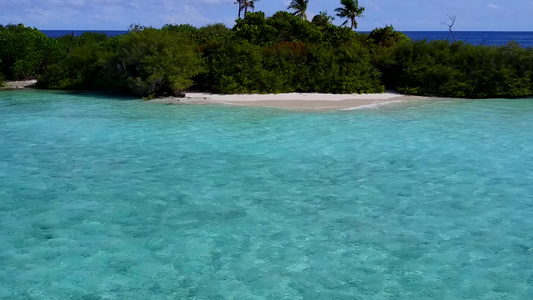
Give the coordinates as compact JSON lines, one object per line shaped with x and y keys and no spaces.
{"x":246,"y":4}
{"x":239,"y":3}
{"x":322,"y":19}
{"x":350,"y":11}
{"x":300,"y":8}
{"x":26,"y":52}
{"x":154,"y":62}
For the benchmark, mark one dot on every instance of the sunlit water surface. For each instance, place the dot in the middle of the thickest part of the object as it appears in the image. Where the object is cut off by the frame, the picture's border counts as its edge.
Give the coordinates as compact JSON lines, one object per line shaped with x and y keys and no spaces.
{"x":104,"y":198}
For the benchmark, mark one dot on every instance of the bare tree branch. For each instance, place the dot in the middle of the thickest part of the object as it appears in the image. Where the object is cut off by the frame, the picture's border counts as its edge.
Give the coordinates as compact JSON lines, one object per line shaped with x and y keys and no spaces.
{"x":450,"y":26}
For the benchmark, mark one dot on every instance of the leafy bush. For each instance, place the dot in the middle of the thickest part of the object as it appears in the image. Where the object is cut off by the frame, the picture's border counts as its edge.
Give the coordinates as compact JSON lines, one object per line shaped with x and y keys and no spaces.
{"x":322,"y":20}
{"x":292,"y":67}
{"x":387,"y":37}
{"x":214,"y":33}
{"x":26,"y":52}
{"x":457,"y":69}
{"x":341,"y":70}
{"x":83,"y":66}
{"x":281,"y":27}
{"x":145,"y":62}
{"x":80,"y":70}
{"x":208,"y":34}
{"x":154,"y":62}
{"x":235,"y":68}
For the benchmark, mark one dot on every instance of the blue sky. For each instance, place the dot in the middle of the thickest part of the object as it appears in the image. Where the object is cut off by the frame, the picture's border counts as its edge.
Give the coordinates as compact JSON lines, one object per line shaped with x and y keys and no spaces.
{"x":488,"y":15}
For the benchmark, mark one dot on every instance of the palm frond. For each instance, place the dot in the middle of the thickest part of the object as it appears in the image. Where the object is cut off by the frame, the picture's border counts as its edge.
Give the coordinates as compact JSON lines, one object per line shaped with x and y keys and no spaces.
{"x":350,"y":10}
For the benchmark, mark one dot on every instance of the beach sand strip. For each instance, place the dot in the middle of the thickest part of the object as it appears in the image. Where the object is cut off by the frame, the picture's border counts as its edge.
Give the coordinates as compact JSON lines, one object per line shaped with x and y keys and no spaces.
{"x":298,"y":101}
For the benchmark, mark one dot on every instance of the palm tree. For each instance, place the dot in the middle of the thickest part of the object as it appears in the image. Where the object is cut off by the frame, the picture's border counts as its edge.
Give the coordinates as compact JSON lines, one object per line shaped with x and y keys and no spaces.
{"x":350,"y":11}
{"x":245,"y":4}
{"x":239,"y":3}
{"x":300,"y":8}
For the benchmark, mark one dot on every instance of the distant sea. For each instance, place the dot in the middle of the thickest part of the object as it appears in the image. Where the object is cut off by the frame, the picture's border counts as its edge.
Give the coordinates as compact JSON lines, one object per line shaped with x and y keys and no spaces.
{"x":58,"y":33}
{"x":490,"y":38}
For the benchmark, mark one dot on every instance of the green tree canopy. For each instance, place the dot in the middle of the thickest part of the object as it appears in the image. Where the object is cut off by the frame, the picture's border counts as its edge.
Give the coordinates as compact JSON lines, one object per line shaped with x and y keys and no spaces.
{"x":157,"y":62}
{"x":83,"y":66}
{"x":387,"y":37}
{"x":26,"y":52}
{"x":281,"y":27}
{"x":322,"y":19}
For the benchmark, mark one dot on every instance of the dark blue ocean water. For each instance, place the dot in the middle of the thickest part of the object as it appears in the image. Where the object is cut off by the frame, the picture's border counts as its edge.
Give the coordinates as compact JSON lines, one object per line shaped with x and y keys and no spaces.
{"x":490,"y":38}
{"x":58,"y":33}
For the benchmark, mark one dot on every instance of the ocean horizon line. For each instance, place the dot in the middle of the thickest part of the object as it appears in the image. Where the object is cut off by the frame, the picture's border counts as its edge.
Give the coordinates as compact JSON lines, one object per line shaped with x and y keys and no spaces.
{"x":364,"y":31}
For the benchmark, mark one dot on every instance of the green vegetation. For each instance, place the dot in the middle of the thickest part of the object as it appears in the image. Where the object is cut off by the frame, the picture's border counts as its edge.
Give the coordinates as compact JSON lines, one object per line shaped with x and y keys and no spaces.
{"x":82,"y":68}
{"x":277,"y":54}
{"x":26,"y":52}
{"x":146,"y":65}
{"x":146,"y":62}
{"x":457,"y":69}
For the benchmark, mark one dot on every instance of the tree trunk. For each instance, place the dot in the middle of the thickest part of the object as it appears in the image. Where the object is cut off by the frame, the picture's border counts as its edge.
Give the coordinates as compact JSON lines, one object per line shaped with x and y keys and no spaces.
{"x":240,"y":7}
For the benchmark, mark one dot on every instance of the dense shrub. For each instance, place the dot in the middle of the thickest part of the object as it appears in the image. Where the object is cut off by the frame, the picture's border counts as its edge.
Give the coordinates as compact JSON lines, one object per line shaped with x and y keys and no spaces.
{"x":281,"y":27}
{"x":145,"y":62}
{"x":26,"y":52}
{"x":292,"y":67}
{"x":154,"y":62}
{"x":80,"y":70}
{"x":387,"y":37}
{"x":83,"y":66}
{"x":214,"y":33}
{"x":458,"y":69}
{"x":256,"y":29}
{"x":322,"y":20}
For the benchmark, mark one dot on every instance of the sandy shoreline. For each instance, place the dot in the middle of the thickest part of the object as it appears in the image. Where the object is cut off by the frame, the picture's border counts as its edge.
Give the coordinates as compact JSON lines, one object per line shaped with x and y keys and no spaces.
{"x":23,"y":84}
{"x":300,"y":101}
{"x":293,"y":101}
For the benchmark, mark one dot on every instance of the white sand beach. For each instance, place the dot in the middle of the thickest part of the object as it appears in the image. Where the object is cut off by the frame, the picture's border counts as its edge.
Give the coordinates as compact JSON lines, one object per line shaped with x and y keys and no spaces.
{"x":19,"y":84}
{"x":300,"y":101}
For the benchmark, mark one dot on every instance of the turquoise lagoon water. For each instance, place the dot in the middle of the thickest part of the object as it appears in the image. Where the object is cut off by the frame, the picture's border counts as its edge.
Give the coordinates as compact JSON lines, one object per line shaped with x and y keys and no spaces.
{"x":105,"y":198}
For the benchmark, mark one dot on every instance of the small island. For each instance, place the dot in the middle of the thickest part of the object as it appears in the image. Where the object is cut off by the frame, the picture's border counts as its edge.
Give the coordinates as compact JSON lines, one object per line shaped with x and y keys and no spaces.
{"x":369,"y":175}
{"x":283,"y":53}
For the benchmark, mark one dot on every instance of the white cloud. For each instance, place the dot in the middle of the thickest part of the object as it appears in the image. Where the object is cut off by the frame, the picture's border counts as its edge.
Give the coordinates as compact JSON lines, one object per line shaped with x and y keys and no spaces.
{"x":494,"y":6}
{"x":187,"y":14}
